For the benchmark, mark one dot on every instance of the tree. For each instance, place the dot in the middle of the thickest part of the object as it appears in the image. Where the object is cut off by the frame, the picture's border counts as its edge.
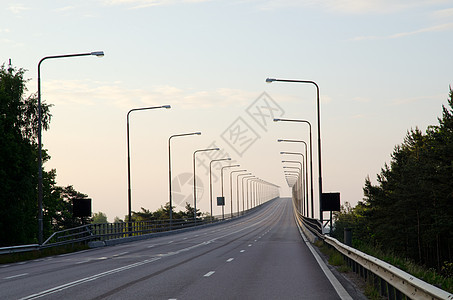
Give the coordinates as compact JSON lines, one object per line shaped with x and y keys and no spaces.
{"x":410,"y":211}
{"x":18,"y":163}
{"x":19,"y":167}
{"x":99,"y":217}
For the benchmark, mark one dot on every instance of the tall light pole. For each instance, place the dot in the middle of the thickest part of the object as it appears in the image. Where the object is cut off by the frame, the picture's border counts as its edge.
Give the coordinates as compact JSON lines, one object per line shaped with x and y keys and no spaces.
{"x":195,"y":182}
{"x":231,"y":189}
{"x":306,"y":168}
{"x":247,"y":190}
{"x":293,"y":176}
{"x":302,"y":181}
{"x":210,"y":179}
{"x":311,"y":168}
{"x":221,"y":181}
{"x":319,"y":132}
{"x":40,"y":194}
{"x":169,"y":168}
{"x":243,"y":197}
{"x":237,"y":190}
{"x":299,"y":173}
{"x":129,"y":201}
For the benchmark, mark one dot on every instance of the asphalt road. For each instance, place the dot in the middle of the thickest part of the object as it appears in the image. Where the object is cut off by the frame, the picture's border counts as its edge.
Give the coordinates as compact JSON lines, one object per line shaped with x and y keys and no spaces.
{"x":260,"y":256}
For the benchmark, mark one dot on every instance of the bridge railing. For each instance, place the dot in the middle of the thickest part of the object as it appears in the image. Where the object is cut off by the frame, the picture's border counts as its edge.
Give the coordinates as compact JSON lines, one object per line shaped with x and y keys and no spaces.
{"x":108,"y":231}
{"x":388,"y":279}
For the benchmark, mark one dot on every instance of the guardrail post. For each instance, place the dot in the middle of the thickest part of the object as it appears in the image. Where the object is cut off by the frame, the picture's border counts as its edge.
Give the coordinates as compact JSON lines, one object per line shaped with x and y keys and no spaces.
{"x":348,"y":237}
{"x":383,"y":287}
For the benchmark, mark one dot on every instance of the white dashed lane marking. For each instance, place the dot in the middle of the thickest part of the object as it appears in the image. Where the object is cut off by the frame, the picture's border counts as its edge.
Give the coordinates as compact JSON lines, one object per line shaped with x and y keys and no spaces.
{"x":230,"y":259}
{"x":15,"y":276}
{"x":209,"y":274}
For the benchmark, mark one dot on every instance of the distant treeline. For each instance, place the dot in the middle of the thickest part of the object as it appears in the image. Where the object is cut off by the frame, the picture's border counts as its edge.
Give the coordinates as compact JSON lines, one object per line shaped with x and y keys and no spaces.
{"x":163,"y":213}
{"x":410,"y":210}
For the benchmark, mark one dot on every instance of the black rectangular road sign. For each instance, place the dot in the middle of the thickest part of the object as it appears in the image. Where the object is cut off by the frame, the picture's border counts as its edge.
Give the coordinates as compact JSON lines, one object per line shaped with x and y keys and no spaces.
{"x":330,"y":202}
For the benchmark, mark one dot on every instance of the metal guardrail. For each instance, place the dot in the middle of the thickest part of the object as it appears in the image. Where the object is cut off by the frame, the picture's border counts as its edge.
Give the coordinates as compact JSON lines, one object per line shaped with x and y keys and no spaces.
{"x":17,"y":249}
{"x":121,"y":231}
{"x":390,"y":281}
{"x":403,"y":282}
{"x":109,"y":231}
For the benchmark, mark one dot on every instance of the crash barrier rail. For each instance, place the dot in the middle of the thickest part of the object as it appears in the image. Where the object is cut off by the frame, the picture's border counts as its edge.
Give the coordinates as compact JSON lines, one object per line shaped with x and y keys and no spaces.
{"x":17,"y":249}
{"x":108,"y":231}
{"x":122,"y":230}
{"x":390,"y":281}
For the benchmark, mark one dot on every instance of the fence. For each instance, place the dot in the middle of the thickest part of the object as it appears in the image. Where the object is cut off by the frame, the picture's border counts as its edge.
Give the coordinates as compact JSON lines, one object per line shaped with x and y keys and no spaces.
{"x":390,"y":281}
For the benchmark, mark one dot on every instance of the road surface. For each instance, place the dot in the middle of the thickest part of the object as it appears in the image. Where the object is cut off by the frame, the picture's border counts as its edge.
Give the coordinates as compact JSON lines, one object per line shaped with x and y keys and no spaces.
{"x":260,"y":256}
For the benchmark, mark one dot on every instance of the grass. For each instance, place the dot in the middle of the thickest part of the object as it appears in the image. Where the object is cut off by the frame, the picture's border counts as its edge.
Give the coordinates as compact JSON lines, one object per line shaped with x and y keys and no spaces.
{"x":31,"y":255}
{"x":429,"y":275}
{"x":335,"y":258}
{"x":371,"y":292}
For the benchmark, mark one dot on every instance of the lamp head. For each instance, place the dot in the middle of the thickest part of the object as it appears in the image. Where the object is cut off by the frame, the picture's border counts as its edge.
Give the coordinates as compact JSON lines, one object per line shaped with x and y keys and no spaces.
{"x":98,"y":53}
{"x":276,"y":120}
{"x":269,"y":80}
{"x":216,"y":149}
{"x":279,"y":140}
{"x":166,"y":106}
{"x":198,"y":133}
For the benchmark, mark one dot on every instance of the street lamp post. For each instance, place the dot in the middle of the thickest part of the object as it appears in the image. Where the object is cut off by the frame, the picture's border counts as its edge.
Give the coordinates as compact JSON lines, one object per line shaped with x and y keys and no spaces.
{"x":231,"y":190}
{"x":129,"y":201}
{"x":169,"y":168}
{"x":302,"y":181}
{"x":237,"y":190}
{"x":304,"y":157}
{"x":210,"y":179}
{"x":40,"y":183}
{"x":293,"y":176}
{"x":221,"y":183}
{"x":311,"y":168}
{"x":319,"y":132}
{"x":243,"y":197}
{"x":299,"y":175}
{"x":247,"y":191}
{"x":194,"y":180}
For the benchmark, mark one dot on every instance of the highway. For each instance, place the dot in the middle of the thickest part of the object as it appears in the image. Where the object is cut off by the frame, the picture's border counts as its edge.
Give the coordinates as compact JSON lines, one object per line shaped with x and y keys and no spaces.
{"x":259,"y":256}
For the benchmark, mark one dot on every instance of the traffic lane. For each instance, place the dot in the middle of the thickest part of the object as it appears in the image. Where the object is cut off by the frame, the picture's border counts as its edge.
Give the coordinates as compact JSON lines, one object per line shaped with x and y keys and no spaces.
{"x":173,"y":275}
{"x":274,"y":265}
{"x":110,"y":266}
{"x":152,"y":280}
{"x":83,"y":263}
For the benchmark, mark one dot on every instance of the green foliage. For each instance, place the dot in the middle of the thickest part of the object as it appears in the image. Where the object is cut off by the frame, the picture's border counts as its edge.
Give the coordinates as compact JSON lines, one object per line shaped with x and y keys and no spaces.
{"x":19,"y":167}
{"x":163,"y":213}
{"x":409,"y":212}
{"x":99,"y":217}
{"x":18,"y":163}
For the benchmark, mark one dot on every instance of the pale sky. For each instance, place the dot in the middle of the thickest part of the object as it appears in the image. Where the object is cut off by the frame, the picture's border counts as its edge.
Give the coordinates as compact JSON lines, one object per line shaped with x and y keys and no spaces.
{"x":383,"y":67}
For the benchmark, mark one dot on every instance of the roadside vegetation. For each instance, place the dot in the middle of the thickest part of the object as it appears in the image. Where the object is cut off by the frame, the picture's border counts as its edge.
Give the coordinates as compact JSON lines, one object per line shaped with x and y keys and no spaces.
{"x":19,"y":172}
{"x":406,"y":218}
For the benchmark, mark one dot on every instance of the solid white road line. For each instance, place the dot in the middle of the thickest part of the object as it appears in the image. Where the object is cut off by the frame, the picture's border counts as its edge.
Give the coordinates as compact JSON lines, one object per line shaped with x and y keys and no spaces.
{"x":344,"y":295}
